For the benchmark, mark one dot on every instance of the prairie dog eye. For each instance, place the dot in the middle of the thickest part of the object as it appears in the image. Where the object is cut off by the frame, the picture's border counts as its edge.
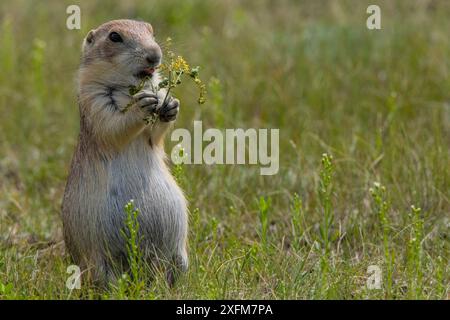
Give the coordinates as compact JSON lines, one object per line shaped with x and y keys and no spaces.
{"x":115,"y":37}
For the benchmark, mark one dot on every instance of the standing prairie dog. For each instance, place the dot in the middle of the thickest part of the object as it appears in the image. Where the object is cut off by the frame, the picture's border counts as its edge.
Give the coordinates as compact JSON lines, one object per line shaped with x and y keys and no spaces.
{"x":120,"y":157}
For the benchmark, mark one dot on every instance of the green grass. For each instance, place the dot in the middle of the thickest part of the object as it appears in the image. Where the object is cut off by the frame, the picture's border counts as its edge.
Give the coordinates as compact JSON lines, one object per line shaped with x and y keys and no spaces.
{"x":377,"y":101}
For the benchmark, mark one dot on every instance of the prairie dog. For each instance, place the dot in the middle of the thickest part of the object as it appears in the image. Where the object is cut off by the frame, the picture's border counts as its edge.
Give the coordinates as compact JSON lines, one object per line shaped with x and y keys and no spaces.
{"x":120,"y":157}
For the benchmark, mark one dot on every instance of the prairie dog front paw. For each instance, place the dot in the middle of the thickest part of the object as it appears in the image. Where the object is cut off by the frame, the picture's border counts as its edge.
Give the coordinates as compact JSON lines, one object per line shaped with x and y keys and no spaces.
{"x":169,"y":111}
{"x":147,"y":101}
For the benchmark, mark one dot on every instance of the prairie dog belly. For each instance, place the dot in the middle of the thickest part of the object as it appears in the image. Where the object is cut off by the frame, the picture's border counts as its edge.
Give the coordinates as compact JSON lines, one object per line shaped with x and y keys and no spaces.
{"x":138,"y":173}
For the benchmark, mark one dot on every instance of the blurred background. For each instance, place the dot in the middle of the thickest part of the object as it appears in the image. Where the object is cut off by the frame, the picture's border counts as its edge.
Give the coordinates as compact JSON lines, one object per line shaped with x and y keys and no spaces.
{"x":377,"y":100}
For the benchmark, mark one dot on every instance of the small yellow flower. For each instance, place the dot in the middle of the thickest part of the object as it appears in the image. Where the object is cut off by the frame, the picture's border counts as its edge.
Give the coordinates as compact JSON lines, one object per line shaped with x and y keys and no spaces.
{"x":180,"y":65}
{"x":175,"y":69}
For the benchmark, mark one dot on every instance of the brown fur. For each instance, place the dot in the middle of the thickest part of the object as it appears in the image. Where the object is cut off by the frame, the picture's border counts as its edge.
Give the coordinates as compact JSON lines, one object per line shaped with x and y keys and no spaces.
{"x":119,"y":157}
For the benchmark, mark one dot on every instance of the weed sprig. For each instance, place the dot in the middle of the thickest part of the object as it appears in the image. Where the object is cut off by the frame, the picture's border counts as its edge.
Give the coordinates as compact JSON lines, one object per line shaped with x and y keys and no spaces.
{"x":173,"y":72}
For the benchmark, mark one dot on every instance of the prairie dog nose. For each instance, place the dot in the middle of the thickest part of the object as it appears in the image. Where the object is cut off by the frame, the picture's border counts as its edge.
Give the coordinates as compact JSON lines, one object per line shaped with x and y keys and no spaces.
{"x":153,"y":56}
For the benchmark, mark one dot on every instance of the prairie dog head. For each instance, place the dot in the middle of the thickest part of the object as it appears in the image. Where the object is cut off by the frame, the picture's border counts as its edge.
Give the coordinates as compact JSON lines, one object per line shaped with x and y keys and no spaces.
{"x":119,"y":52}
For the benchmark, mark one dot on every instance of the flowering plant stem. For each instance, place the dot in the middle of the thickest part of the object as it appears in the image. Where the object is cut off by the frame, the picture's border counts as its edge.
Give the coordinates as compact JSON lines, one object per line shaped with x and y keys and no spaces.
{"x":176,"y":67}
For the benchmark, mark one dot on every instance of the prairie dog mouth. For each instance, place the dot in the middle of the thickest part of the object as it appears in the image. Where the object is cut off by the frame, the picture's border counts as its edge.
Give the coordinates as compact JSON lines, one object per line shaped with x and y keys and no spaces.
{"x":147,"y":72}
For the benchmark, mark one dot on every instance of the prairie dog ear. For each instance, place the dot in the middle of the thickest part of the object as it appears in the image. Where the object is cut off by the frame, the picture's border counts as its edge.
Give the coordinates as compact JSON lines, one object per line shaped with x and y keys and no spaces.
{"x":89,"y":40}
{"x":149,"y":27}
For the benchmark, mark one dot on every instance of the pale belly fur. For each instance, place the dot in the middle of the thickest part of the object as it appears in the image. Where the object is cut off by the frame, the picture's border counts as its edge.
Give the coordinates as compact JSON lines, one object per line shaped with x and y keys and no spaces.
{"x":102,"y":191}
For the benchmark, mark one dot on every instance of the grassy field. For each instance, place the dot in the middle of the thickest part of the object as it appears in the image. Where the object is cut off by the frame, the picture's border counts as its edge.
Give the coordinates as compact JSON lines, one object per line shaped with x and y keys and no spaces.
{"x":377,"y":103}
